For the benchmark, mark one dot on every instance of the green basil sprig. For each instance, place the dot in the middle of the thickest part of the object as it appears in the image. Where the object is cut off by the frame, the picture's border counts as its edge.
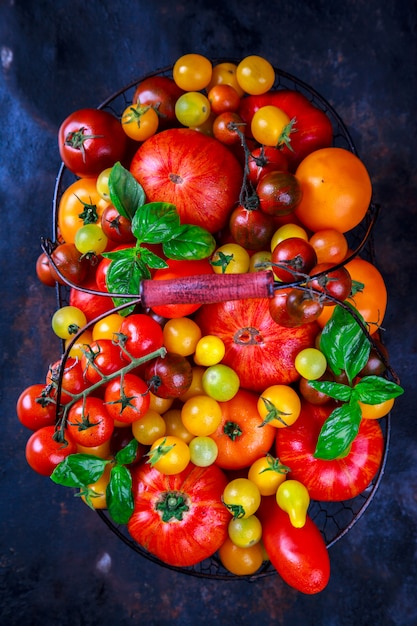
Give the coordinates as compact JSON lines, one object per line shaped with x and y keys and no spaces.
{"x":82,"y":470}
{"x":346,"y":347}
{"x":151,"y":223}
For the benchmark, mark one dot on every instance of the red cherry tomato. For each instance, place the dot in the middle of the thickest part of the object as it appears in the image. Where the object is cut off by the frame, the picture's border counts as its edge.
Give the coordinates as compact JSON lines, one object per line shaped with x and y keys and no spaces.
{"x":43,"y":453}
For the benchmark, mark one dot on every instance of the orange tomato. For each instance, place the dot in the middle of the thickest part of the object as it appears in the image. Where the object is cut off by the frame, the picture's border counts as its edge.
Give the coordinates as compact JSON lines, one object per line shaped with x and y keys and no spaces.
{"x":371,"y":302}
{"x":241,"y":561}
{"x":240,"y":437}
{"x":336,"y":189}
{"x":80,"y":197}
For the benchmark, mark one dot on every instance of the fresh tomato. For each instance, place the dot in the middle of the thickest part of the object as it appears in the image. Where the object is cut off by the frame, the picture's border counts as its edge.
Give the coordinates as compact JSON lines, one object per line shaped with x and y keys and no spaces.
{"x":116,"y":227}
{"x":89,"y":423}
{"x":179,"y":166}
{"x":71,"y":380}
{"x":140,"y":334}
{"x":299,"y":555}
{"x":240,"y":436}
{"x":169,"y":376}
{"x":127,"y":398}
{"x":241,"y":561}
{"x":90,"y":140}
{"x":101,"y":358}
{"x":69,"y":262}
{"x":179,"y":518}
{"x":340,"y":479}
{"x":263,"y":160}
{"x":43,"y":453}
{"x":336,"y":190}
{"x":160,"y":92}
{"x":35,"y":408}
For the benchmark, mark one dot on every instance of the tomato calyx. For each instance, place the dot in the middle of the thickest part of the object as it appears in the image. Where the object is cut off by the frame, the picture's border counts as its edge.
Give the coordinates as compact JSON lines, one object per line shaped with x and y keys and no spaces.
{"x":135,"y":113}
{"x":89,"y":213}
{"x":232,"y":430}
{"x":84,"y":423}
{"x":272,"y":413}
{"x":172,"y":505}
{"x":76,"y":138}
{"x":285,"y":136}
{"x":275,"y":465}
{"x":237,"y":510}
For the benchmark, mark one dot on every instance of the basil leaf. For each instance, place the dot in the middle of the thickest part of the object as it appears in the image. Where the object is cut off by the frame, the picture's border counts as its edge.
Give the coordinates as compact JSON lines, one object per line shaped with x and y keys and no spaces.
{"x":79,"y":470}
{"x":375,"y":389}
{"x":126,"y":194}
{"x":344,"y":343}
{"x":124,"y":277}
{"x":126,"y":254}
{"x":190,"y":243}
{"x":151,"y":259}
{"x":338,"y":431}
{"x":119,"y":494}
{"x":127,"y":454}
{"x":338,"y":391}
{"x":156,"y":222}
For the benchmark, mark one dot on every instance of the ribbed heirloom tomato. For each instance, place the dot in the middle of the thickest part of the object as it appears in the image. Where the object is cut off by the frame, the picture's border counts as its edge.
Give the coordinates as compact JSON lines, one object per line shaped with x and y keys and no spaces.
{"x":196,"y":173}
{"x":179,"y":518}
{"x":261,"y":352}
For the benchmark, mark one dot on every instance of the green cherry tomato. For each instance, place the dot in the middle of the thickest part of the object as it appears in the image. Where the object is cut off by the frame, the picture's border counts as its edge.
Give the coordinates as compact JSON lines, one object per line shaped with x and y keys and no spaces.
{"x":203,"y":451}
{"x":90,"y":239}
{"x":67,"y":321}
{"x":220,"y":382}
{"x":245,"y":532}
{"x":192,"y":109}
{"x":310,"y":363}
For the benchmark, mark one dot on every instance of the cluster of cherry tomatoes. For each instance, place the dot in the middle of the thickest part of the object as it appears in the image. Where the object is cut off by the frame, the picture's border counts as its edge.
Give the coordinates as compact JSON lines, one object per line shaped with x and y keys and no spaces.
{"x":159,"y":376}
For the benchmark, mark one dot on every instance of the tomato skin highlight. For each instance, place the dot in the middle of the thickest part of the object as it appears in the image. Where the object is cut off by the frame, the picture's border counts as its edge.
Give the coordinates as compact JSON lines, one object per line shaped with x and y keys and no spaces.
{"x":337,"y":480}
{"x":203,"y":527}
{"x":299,"y":555}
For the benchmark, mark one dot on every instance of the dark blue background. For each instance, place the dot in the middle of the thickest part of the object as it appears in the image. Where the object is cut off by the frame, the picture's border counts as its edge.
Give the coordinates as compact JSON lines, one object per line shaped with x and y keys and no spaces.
{"x":59,"y":564}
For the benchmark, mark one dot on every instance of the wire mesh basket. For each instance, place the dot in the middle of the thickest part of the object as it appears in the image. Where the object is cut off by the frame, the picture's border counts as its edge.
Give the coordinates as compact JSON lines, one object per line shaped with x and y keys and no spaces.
{"x":334,"y":519}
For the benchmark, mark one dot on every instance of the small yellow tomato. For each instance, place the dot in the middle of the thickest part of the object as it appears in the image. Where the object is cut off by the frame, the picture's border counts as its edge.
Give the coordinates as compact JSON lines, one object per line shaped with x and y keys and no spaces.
{"x":149,"y":428}
{"x":255,"y":75}
{"x":241,"y":497}
{"x":201,"y":415}
{"x":279,"y":406}
{"x":209,"y":350}
{"x":293,"y":498}
{"x":140,"y":121}
{"x":230,"y":258}
{"x":267,"y":473}
{"x":181,"y":335}
{"x":245,"y":532}
{"x":169,"y":455}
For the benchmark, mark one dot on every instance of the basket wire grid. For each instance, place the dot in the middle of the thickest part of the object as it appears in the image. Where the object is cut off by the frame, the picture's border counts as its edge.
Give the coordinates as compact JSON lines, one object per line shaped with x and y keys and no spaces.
{"x":334,"y":519}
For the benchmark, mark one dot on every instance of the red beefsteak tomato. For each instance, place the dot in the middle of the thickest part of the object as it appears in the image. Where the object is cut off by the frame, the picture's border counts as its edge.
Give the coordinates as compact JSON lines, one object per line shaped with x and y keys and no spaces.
{"x":180,"y":519}
{"x":340,"y":479}
{"x":299,"y":555}
{"x":193,"y":171}
{"x":257,"y":348}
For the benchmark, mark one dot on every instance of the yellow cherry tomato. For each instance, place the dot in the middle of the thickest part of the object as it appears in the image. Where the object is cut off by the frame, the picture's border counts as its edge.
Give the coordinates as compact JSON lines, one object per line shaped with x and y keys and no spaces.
{"x":181,"y":335}
{"x":271,"y":126}
{"x":140,"y":121}
{"x":267,"y":473}
{"x":78,"y":347}
{"x":192,"y":72}
{"x":241,"y":497}
{"x":230,"y":258}
{"x":279,"y":406}
{"x":169,"y":455}
{"x":209,"y":350}
{"x":108,"y":327}
{"x":149,"y":428}
{"x":255,"y":75}
{"x":245,"y":532}
{"x":201,"y":415}
{"x":293,"y":498}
